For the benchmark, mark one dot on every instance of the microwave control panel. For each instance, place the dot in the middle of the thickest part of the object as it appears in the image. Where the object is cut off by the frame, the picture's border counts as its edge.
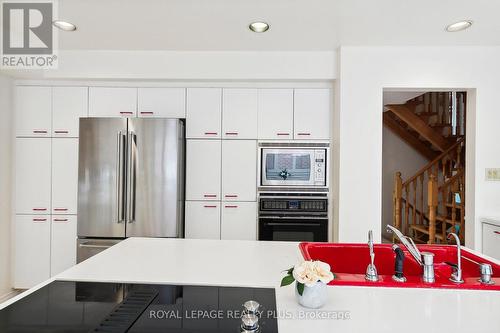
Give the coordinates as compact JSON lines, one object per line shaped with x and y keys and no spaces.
{"x":320,"y":167}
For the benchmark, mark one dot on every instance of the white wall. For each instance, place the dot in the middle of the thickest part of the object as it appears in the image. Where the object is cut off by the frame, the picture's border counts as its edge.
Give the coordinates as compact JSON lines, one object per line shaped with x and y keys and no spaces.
{"x":397,"y":155}
{"x":364,"y":72}
{"x":5,"y":182}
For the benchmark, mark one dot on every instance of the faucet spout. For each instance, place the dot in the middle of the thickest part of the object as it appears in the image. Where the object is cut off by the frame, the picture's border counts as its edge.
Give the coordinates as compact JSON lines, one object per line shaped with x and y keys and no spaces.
{"x":456,"y":276}
{"x":408,"y":243}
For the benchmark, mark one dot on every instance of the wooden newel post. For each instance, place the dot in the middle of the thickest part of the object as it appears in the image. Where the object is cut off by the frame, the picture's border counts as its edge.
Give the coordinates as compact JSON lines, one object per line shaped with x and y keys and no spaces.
{"x":432,"y":200}
{"x":397,"y":194}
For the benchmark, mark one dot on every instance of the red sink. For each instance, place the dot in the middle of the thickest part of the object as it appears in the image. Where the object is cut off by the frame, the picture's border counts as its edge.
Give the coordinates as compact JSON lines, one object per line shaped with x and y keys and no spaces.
{"x":349,"y":262}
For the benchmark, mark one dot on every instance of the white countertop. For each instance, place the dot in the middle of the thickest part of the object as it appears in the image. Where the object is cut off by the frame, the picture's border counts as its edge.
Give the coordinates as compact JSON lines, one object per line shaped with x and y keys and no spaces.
{"x":260,"y":264}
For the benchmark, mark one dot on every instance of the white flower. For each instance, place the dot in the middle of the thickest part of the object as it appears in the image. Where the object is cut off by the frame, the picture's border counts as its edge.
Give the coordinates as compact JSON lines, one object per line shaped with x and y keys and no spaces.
{"x":310,"y":272}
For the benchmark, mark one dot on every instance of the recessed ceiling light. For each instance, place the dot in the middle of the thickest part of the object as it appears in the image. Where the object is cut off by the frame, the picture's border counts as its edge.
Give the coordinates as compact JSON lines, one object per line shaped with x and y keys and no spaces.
{"x":63,"y":25}
{"x":259,"y":26}
{"x":459,"y":26}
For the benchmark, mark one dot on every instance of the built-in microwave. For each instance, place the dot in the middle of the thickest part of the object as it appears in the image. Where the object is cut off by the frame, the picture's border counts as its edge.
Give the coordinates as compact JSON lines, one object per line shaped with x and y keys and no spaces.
{"x":293,"y":165}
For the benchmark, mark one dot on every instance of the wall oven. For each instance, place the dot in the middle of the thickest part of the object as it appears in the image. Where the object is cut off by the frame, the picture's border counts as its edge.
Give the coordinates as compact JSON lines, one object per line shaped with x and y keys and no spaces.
{"x":293,"y":217}
{"x":294,"y":166}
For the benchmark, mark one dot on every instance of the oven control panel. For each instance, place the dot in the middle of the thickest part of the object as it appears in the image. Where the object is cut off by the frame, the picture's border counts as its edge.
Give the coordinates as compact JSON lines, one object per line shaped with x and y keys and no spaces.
{"x":293,"y":205}
{"x":320,"y":166}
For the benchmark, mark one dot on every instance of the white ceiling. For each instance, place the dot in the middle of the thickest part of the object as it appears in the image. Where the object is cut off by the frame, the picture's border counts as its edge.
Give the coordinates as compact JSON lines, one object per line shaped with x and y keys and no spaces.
{"x":296,"y":25}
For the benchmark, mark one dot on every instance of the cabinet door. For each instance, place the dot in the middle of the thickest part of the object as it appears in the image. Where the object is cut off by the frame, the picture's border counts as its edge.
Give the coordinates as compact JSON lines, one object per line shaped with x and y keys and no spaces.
{"x":31,"y":250}
{"x":64,"y":175}
{"x":33,"y":111}
{"x":69,"y":104}
{"x":161,"y":102}
{"x":202,"y":220}
{"x":63,"y":243}
{"x":33,"y":175}
{"x":203,"y":169}
{"x":239,"y":113}
{"x":239,"y":170}
{"x":275,"y":114}
{"x":491,"y":240}
{"x":312,"y":114}
{"x":203,"y":113}
{"x":239,"y":220}
{"x":112,"y":102}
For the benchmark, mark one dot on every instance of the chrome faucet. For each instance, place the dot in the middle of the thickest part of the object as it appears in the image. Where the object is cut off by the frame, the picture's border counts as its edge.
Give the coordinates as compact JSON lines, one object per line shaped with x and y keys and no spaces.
{"x":456,"y":276}
{"x":408,"y":243}
{"x":371,"y":270}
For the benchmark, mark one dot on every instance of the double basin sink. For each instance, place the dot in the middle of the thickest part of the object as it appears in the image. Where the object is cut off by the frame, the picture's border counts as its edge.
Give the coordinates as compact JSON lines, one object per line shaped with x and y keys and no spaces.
{"x":349,"y":262}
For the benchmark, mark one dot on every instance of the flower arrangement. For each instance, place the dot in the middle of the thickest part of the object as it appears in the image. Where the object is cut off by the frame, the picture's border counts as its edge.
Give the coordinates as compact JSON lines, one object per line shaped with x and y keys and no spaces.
{"x":308,"y":273}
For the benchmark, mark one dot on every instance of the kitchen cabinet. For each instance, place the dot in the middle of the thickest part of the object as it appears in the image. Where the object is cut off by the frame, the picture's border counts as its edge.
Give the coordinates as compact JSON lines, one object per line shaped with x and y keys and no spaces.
{"x":203,"y":113}
{"x":62,"y":243}
{"x":275,"y":115}
{"x":203,"y":169}
{"x":69,"y":104}
{"x":31,"y":250}
{"x":161,"y":102}
{"x":33,"y":175}
{"x":491,"y":240}
{"x":112,"y":102}
{"x":202,"y":220}
{"x":239,"y":220}
{"x":239,"y":113}
{"x":33,"y":111}
{"x":312,"y":114}
{"x":239,"y":170}
{"x":64,"y":175}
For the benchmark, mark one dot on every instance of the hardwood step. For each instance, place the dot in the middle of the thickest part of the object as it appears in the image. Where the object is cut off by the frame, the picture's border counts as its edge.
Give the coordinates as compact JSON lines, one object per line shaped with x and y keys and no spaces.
{"x":425,"y":230}
{"x":449,"y":205}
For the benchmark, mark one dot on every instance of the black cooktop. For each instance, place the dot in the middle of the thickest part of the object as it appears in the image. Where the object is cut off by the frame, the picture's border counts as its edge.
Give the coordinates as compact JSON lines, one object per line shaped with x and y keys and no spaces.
{"x":64,"y":306}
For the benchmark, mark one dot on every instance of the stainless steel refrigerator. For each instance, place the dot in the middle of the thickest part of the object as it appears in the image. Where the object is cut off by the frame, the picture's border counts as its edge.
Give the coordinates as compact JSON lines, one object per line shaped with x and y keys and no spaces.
{"x":130,"y":181}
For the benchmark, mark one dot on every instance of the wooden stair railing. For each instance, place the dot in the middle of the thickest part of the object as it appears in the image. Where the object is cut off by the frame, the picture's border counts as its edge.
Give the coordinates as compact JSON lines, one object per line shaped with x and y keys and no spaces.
{"x":425,"y":203}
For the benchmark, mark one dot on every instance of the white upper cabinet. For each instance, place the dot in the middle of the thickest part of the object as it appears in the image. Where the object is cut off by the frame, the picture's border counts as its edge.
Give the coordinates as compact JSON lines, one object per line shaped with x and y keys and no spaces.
{"x":64,"y":175}
{"x":239,"y":220}
{"x":162,"y":102}
{"x":239,"y":113}
{"x":275,"y":114}
{"x":31,"y":250}
{"x":239,"y":170}
{"x":203,"y":113}
{"x":33,"y":111}
{"x":69,"y":104}
{"x":62,"y":243}
{"x":312,"y":109}
{"x":203,"y":169}
{"x":112,"y":102}
{"x":33,"y":175}
{"x":202,"y":220}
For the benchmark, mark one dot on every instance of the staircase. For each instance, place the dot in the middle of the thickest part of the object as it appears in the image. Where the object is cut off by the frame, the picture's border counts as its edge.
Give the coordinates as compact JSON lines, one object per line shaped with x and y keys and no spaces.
{"x":431,"y":203}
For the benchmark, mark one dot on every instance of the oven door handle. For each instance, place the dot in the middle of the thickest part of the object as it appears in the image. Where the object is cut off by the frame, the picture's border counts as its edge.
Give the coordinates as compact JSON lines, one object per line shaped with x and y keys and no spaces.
{"x":277,"y":224}
{"x":270,"y":217}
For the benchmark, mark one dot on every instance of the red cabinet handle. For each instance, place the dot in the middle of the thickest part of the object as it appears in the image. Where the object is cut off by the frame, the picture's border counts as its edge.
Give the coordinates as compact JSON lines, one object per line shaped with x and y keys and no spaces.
{"x":497,"y":232}
{"x":210,"y":133}
{"x":39,"y":220}
{"x":231,"y":133}
{"x":231,"y":196}
{"x":61,"y":132}
{"x":210,"y":206}
{"x":303,"y":133}
{"x":126,"y":112}
{"x":210,"y":195}
{"x":60,"y":220}
{"x":40,"y":131}
{"x":282,"y":134}
{"x":230,"y":206}
{"x":61,"y":209}
{"x":39,"y":209}
{"x":147,"y":112}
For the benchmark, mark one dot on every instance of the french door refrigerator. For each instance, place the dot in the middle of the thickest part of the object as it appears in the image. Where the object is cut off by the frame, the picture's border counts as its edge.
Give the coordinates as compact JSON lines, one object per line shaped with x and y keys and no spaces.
{"x":130,"y":181}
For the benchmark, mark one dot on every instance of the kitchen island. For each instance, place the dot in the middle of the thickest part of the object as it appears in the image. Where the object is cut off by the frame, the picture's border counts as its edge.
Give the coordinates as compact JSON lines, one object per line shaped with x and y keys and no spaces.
{"x":260,"y":264}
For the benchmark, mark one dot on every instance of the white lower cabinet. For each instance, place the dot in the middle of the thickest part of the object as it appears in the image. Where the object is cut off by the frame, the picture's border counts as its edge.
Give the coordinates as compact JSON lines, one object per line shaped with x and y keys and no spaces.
{"x":239,"y":220}
{"x":62,"y":243}
{"x":31,"y":250}
{"x":491,"y":240}
{"x":202,"y":219}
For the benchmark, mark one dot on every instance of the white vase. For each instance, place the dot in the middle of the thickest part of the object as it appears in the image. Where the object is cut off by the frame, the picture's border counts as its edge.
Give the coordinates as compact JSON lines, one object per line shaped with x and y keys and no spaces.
{"x":313,"y":297}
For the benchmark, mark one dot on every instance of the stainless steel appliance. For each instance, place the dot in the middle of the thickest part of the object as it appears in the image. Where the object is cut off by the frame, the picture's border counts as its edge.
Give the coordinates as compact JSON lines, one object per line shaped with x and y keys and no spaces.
{"x":293,"y":217}
{"x":130,"y":181}
{"x":293,"y":166}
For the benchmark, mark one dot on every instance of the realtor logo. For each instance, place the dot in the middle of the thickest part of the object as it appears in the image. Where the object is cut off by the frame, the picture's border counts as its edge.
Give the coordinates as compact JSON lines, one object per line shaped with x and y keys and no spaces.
{"x":27,"y":35}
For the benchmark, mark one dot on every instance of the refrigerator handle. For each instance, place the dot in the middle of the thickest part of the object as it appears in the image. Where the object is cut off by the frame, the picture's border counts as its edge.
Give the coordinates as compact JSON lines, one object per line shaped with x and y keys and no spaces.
{"x":121,"y":176}
{"x":131,"y":177}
